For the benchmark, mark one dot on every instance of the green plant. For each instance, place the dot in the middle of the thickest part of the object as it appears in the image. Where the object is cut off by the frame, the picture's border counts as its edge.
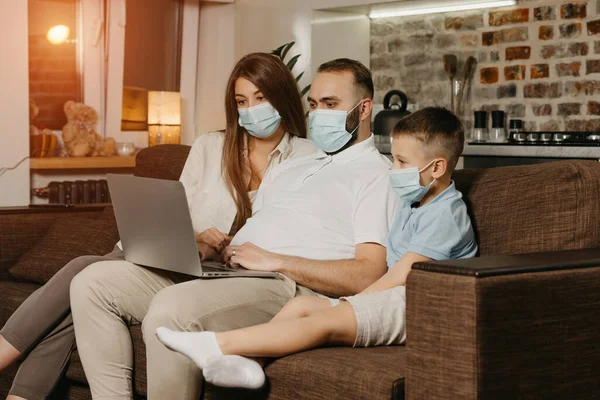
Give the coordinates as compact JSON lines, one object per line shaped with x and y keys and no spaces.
{"x":282,"y":52}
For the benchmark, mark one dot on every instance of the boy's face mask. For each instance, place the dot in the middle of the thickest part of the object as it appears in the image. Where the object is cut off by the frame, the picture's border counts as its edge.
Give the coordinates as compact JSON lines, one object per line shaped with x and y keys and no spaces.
{"x":407,"y":183}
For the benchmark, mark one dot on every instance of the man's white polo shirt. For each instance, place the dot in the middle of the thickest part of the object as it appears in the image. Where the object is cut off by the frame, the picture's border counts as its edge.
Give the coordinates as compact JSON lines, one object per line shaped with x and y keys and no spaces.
{"x":322,"y":206}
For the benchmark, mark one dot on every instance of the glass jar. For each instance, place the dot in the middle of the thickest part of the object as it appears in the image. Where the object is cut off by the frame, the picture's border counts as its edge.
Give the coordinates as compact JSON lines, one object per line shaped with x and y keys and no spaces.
{"x":480,"y":132}
{"x":480,"y":135}
{"x":498,"y":133}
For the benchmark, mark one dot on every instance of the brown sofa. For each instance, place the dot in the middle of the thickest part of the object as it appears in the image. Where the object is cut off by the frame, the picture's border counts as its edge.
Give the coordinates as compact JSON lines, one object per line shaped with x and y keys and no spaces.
{"x":509,"y":324}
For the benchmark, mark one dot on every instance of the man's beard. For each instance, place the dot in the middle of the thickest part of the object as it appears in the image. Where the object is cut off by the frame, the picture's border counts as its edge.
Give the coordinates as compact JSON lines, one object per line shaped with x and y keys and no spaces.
{"x":352,"y":123}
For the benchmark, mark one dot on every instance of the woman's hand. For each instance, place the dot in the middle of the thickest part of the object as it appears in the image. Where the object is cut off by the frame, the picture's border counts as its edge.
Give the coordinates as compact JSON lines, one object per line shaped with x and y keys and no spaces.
{"x":214,"y":238}
{"x":204,"y":250}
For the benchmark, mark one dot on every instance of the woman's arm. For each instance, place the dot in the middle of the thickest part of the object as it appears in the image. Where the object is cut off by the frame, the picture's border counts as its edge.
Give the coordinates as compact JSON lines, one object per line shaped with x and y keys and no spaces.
{"x":396,"y":276}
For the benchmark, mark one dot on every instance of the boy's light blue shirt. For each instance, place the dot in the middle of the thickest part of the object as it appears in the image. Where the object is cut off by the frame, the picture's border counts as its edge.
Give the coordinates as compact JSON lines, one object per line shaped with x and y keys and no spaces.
{"x":440,"y":230}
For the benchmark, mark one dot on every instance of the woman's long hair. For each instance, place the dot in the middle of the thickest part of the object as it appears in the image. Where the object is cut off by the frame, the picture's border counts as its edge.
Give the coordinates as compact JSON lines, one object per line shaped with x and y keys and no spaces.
{"x":276,"y":82}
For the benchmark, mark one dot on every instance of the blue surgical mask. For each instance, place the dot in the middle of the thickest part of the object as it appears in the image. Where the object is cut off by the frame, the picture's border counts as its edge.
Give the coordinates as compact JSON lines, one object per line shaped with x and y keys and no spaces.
{"x":328,"y":129}
{"x":260,"y":121}
{"x":407,"y":183}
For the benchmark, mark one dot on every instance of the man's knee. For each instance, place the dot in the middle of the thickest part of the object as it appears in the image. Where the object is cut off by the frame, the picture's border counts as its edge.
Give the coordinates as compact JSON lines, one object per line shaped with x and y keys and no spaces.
{"x":82,"y":284}
{"x":166,"y":310}
{"x":85,"y":284}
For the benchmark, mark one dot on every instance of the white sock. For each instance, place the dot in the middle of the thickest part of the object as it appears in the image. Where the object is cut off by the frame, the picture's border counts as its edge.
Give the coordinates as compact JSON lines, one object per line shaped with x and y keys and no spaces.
{"x":234,"y":371}
{"x":197,"y":346}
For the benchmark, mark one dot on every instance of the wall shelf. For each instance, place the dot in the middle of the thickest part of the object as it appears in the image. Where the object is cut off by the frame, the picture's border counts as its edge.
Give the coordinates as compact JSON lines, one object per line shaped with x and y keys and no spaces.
{"x":56,"y":163}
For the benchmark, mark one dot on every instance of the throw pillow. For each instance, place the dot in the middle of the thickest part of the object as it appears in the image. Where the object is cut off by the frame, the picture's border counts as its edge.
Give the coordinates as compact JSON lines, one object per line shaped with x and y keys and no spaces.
{"x":67,"y":239}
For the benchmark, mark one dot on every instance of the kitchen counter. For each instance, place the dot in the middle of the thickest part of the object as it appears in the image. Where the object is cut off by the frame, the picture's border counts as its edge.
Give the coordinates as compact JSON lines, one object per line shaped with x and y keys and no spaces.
{"x":525,"y":150}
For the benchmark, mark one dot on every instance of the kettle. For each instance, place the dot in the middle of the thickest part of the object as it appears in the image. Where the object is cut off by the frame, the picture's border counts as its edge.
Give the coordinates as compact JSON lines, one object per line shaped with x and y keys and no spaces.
{"x":386,"y":119}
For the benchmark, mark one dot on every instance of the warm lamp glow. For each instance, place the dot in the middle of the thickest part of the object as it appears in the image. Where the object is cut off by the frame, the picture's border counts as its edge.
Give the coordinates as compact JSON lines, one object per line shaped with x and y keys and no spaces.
{"x":58,"y":34}
{"x":164,"y":118}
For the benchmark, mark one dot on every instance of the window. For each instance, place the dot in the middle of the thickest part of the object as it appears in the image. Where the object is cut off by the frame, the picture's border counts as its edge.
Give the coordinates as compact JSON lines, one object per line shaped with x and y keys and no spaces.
{"x":54,"y":59}
{"x":112,"y":46}
{"x":152,"y":56}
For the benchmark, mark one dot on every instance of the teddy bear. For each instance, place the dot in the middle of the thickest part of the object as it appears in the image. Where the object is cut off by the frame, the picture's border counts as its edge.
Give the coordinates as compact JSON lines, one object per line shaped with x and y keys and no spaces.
{"x":79,"y":133}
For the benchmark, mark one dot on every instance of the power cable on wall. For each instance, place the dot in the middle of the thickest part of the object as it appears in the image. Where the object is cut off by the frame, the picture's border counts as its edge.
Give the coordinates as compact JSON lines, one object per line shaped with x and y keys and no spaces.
{"x":5,"y":169}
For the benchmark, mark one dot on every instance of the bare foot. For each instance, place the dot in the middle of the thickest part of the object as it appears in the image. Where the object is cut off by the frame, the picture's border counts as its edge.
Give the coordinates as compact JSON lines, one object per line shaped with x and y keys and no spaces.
{"x":11,"y":397}
{"x":8,"y":355}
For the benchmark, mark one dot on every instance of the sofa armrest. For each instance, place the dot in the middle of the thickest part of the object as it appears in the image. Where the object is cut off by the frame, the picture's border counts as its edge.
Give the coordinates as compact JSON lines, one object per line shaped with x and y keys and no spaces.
{"x":520,"y":326}
{"x":482,"y":267}
{"x":22,"y":227}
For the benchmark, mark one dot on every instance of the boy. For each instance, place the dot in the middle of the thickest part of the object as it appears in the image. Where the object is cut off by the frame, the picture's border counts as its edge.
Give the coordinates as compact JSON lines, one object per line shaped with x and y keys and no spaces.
{"x":432,"y":225}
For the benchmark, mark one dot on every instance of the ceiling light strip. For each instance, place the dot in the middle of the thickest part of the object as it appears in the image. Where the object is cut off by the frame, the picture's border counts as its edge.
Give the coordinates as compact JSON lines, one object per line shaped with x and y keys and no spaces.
{"x":403,"y":12}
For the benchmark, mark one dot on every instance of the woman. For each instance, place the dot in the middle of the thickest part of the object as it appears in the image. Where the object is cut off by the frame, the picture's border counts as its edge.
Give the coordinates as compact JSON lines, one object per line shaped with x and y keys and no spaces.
{"x":265,"y":126}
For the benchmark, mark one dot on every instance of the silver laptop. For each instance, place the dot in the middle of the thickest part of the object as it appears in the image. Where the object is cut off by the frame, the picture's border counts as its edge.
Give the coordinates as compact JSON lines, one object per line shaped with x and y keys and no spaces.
{"x":156,"y":230}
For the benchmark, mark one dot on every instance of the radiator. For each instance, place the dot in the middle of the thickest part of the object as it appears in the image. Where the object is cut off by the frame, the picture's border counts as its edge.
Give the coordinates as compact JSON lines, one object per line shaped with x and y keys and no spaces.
{"x":75,"y":192}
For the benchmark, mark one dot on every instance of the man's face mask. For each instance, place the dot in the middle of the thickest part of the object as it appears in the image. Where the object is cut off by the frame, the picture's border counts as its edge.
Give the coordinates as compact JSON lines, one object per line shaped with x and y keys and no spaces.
{"x":329,"y":128}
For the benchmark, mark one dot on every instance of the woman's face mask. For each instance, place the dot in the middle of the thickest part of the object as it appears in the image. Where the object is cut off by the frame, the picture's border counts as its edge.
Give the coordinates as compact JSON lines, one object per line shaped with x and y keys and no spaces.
{"x":260,"y":121}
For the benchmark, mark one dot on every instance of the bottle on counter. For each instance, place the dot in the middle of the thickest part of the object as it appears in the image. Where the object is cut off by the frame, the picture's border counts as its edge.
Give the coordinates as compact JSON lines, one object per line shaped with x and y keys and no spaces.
{"x":498,"y":133}
{"x":480,"y":132}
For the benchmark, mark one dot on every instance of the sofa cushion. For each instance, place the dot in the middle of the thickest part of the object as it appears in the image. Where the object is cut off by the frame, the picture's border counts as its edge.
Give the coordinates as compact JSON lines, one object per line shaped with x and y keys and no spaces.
{"x":67,"y":239}
{"x":20,"y":231}
{"x":535,"y":208}
{"x":334,"y":373}
{"x":161,"y":162}
{"x":328,"y":374}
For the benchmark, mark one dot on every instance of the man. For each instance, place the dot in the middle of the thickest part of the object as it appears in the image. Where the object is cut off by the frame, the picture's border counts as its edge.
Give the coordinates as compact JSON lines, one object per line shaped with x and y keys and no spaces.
{"x":321,"y":221}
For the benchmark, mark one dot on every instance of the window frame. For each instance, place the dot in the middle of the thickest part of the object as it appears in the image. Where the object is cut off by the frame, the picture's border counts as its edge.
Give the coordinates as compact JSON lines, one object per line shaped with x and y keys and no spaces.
{"x":103,"y":67}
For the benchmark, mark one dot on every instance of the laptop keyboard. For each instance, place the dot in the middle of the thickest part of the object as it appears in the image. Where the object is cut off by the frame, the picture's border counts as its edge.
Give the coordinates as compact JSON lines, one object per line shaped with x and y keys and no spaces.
{"x":212,"y":266}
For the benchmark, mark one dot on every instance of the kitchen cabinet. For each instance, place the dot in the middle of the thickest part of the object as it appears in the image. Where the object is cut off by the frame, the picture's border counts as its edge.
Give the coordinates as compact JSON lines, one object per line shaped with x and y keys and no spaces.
{"x":332,"y":4}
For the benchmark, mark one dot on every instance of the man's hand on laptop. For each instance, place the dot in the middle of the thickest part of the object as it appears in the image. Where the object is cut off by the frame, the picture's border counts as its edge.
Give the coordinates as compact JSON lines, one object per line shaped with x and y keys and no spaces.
{"x":252,"y":257}
{"x":214,"y":238}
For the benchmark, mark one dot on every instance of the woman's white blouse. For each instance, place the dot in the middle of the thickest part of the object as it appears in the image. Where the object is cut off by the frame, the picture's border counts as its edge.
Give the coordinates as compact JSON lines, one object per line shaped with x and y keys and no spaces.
{"x":211,"y":204}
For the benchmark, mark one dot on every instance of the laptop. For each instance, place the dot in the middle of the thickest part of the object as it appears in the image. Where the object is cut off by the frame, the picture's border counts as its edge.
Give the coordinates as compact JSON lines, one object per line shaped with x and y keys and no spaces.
{"x":156,"y":230}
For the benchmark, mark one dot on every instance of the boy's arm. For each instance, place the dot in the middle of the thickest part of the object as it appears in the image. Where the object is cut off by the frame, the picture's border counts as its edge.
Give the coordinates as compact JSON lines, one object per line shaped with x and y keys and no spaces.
{"x":396,"y":276}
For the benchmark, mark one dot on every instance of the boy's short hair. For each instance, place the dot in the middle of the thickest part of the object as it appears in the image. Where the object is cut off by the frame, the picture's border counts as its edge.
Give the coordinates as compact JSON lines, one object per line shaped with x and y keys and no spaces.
{"x":438,"y":129}
{"x":363,"y":80}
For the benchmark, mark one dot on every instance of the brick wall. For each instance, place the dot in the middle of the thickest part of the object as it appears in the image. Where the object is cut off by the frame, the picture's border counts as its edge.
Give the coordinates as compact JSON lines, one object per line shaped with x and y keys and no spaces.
{"x":539,"y":61}
{"x":53,"y":79}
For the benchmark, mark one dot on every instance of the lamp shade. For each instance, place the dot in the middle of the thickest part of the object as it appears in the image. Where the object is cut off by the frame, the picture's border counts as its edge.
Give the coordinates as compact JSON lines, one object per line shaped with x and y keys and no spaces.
{"x":164,"y":118}
{"x":164,"y":108}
